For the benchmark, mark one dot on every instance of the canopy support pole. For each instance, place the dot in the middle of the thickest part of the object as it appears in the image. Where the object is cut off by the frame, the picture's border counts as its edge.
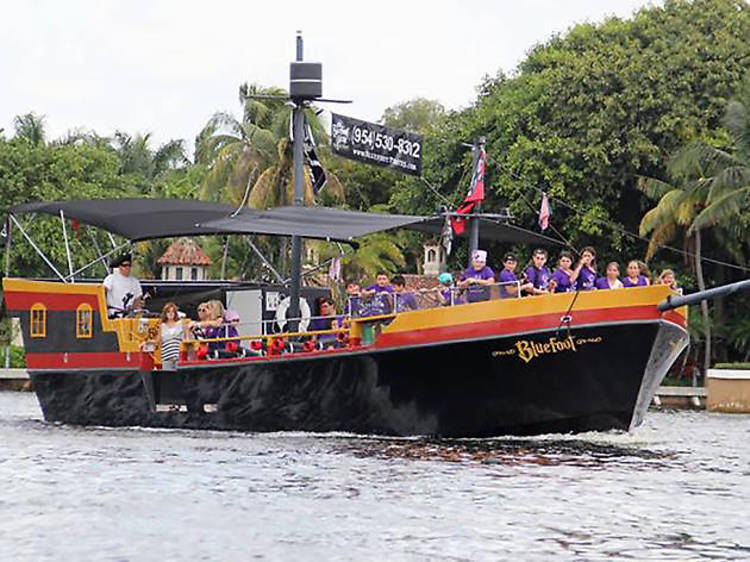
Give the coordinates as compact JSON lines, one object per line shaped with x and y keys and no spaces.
{"x":101,"y":258}
{"x":67,"y":247}
{"x":38,"y":251}
{"x":258,"y":253}
{"x":298,"y":117}
{"x":8,"y":243}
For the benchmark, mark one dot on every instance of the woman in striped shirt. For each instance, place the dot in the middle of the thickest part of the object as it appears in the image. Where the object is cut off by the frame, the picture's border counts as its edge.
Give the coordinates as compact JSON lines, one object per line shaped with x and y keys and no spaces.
{"x":171,"y":336}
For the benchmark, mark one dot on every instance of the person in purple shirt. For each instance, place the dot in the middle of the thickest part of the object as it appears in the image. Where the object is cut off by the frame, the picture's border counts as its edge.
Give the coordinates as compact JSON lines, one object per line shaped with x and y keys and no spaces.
{"x":477,"y":278}
{"x":403,"y":300}
{"x":584,"y":275}
{"x":447,"y":294}
{"x":380,"y":295}
{"x":537,"y":275}
{"x":561,"y":280}
{"x":326,"y":320}
{"x":612,"y":278}
{"x":508,"y":275}
{"x":353,"y":298}
{"x":634,"y":277}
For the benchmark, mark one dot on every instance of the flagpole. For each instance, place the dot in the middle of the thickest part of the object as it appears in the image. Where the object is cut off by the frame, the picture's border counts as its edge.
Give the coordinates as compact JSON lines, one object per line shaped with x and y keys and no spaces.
{"x":474,"y":221}
{"x":298,"y":127}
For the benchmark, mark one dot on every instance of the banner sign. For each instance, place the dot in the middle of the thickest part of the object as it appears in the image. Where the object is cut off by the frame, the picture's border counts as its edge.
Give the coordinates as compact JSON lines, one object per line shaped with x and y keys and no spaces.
{"x":375,"y":144}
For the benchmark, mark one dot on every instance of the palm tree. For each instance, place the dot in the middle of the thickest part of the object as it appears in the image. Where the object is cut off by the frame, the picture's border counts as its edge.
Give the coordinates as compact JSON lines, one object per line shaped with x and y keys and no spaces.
{"x":377,"y":252}
{"x":254,"y":152}
{"x":250,"y":160}
{"x":30,"y":127}
{"x":679,"y":204}
{"x":710,"y":189}
{"x":729,"y":170}
{"x":137,"y":157}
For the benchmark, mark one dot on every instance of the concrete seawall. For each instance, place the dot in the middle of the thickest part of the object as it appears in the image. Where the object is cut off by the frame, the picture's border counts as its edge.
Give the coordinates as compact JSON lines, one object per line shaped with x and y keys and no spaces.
{"x":14,"y":379}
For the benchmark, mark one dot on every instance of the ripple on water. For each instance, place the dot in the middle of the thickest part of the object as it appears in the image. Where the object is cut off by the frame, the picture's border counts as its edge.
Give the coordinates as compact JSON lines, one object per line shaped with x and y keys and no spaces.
{"x":674,"y":489}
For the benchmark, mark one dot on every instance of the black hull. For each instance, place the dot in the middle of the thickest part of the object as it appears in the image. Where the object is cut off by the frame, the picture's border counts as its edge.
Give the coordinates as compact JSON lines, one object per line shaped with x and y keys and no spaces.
{"x":602,"y":380}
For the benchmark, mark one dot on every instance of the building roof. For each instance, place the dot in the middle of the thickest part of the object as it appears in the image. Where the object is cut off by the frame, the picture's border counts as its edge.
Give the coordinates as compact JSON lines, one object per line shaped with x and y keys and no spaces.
{"x":184,"y":251}
{"x":415,"y":282}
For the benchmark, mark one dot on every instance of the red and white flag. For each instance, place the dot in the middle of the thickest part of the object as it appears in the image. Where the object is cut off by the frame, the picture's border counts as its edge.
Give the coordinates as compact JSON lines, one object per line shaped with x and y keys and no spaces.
{"x":544,"y":212}
{"x":475,"y":194}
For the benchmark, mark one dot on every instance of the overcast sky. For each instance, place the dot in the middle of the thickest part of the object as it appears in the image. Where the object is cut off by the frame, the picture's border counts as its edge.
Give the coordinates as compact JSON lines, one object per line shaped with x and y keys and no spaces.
{"x":166,"y":66}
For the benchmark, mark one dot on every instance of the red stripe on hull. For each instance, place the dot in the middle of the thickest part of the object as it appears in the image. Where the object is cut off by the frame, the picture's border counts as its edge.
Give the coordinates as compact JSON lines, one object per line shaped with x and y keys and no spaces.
{"x":53,"y":301}
{"x":508,"y":326}
{"x":88,"y":360}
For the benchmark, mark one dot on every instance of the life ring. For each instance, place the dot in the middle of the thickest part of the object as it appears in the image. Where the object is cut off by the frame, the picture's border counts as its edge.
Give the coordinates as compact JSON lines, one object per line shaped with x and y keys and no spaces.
{"x":304,"y":310}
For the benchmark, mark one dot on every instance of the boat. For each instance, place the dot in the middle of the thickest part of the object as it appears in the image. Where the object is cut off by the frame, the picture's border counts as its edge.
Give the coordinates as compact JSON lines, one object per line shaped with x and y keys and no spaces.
{"x":558,"y":363}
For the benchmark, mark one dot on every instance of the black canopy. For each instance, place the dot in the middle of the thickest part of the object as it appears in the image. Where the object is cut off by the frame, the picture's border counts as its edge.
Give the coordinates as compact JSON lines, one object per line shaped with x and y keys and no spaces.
{"x":324,"y":223}
{"x":144,"y":219}
{"x":136,"y":219}
{"x":491,"y":230}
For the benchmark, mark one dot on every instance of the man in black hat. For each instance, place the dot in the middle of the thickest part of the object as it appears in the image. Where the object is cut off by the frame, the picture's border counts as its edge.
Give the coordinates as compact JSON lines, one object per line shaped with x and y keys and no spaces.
{"x":123,"y":291}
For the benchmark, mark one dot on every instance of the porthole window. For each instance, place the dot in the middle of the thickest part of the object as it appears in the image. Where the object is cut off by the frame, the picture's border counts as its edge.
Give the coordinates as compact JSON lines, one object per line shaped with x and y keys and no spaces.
{"x":38,"y":326}
{"x":84,"y":321}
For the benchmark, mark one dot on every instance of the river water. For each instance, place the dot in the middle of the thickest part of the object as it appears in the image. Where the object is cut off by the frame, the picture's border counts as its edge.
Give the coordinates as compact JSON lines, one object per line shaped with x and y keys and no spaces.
{"x":678,"y":488}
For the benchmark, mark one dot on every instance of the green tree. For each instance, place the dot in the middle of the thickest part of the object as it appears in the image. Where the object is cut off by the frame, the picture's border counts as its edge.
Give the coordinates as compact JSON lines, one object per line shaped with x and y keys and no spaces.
{"x":31,"y":127}
{"x":47,"y":173}
{"x":418,"y":115}
{"x":589,"y":111}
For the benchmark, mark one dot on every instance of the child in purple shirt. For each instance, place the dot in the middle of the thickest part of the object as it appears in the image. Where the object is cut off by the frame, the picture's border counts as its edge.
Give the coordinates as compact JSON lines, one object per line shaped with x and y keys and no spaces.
{"x":380,"y":296}
{"x":584,"y":274}
{"x":537,"y":275}
{"x":560,"y":281}
{"x":508,"y":276}
{"x":404,"y":300}
{"x":477,"y":278}
{"x":634,"y":277}
{"x":612,"y":279}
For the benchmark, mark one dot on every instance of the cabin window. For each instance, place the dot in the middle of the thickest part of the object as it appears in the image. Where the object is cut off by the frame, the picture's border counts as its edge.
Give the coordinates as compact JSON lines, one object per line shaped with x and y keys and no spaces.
{"x":194,"y":273}
{"x":178,"y":273}
{"x":84,"y":321}
{"x":38,"y":326}
{"x":431,"y":255}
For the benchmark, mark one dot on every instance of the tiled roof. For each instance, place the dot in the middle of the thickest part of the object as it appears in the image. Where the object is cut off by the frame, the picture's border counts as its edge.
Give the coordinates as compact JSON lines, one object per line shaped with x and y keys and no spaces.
{"x":414,"y":281}
{"x":184,"y":251}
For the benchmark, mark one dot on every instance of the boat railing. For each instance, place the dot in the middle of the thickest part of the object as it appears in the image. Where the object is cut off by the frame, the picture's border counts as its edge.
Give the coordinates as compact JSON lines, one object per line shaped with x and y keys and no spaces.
{"x":383,"y":302}
{"x":269,"y":344}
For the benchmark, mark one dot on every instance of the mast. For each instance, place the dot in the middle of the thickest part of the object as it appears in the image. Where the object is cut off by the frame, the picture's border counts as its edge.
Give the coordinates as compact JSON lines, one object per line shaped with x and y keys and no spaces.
{"x":298,"y":117}
{"x":474,"y":221}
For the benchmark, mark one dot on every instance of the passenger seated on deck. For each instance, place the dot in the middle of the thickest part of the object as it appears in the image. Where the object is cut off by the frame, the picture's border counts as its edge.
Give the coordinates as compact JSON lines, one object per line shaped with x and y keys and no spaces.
{"x":634,"y":278}
{"x":645,"y":271}
{"x":477,"y":278}
{"x":231,"y":325}
{"x":507,"y":278}
{"x":612,"y":278}
{"x":667,"y":278}
{"x":326,"y":320}
{"x":210,"y":323}
{"x":537,"y":274}
{"x":447,"y":293}
{"x":584,"y":274}
{"x":353,"y":298}
{"x":380,"y":296}
{"x":403,"y":300}
{"x":562,"y":279}
{"x":123,"y":291}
